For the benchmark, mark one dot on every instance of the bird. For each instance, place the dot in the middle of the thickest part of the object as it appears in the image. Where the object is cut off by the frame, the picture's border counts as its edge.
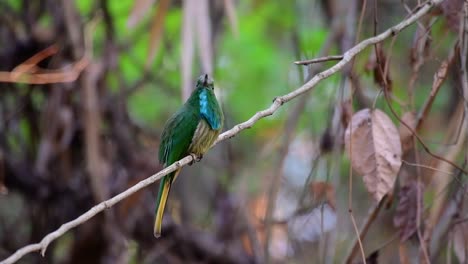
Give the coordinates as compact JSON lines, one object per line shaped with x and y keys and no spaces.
{"x":192,"y":130}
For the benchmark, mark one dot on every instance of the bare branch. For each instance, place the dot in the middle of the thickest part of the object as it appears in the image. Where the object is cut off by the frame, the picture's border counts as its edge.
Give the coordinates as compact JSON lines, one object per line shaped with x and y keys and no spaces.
{"x":347,"y":56}
{"x":277,"y":103}
{"x":43,"y":76}
{"x":30,"y":64}
{"x":463,"y":61}
{"x":289,"y":128}
{"x":439,"y":78}
{"x":317,"y":60}
{"x":42,"y":246}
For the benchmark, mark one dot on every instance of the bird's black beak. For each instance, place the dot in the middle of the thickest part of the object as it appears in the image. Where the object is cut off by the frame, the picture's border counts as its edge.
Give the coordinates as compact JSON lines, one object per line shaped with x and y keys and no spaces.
{"x":205,"y":82}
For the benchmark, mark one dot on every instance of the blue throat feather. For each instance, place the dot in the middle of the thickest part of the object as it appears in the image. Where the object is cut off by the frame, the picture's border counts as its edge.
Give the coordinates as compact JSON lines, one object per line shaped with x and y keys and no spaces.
{"x":207,"y":112}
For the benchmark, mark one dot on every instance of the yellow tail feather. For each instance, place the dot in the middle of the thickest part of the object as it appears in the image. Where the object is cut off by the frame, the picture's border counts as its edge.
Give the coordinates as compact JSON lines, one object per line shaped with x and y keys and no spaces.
{"x":160,"y":212}
{"x":162,"y":202}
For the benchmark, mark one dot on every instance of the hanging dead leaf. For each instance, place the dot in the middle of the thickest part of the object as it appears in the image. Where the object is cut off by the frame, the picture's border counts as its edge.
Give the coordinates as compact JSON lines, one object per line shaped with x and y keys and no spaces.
{"x":441,"y":74}
{"x":346,"y":112}
{"x":230,"y":10}
{"x":188,"y":46}
{"x":405,"y":134}
{"x":451,"y":9}
{"x":373,"y":258}
{"x":439,"y":77}
{"x":313,"y":225}
{"x":157,"y":29}
{"x":323,"y":191}
{"x":460,"y":241}
{"x":406,"y":211}
{"x":3,"y":188}
{"x":377,"y":63}
{"x":256,"y":214}
{"x":326,"y":141}
{"x":373,"y":145}
{"x":203,"y":29}
{"x":421,"y":47}
{"x":139,"y":9}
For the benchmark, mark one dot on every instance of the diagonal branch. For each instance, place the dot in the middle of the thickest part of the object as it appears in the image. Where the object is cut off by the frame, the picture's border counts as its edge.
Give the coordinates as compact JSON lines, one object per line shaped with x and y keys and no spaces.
{"x":277,"y":103}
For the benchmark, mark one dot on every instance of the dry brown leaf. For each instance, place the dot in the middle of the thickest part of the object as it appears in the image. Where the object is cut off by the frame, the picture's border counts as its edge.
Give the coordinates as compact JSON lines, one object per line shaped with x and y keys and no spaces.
{"x":421,"y":47}
{"x":3,"y":188}
{"x":406,"y":211}
{"x":452,"y":11}
{"x":441,"y":74}
{"x":157,"y":29}
{"x":326,"y":141}
{"x":139,"y":9}
{"x":460,"y":241}
{"x":196,"y":19}
{"x":375,"y":152}
{"x":203,"y":29}
{"x":403,"y":254}
{"x":323,"y":191}
{"x":188,"y":46}
{"x":256,"y":213}
{"x":376,"y":64}
{"x":405,"y":134}
{"x":346,"y":112}
{"x":439,"y":78}
{"x":232,"y":16}
{"x":373,"y":258}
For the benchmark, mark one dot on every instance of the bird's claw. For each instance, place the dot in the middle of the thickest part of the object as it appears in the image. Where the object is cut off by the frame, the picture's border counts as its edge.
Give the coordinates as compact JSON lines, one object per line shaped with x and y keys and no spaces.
{"x":195,"y":158}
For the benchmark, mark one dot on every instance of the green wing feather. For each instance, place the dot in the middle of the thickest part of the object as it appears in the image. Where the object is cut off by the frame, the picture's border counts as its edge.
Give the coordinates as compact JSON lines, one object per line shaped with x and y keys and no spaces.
{"x":177,"y":135}
{"x":175,"y":141}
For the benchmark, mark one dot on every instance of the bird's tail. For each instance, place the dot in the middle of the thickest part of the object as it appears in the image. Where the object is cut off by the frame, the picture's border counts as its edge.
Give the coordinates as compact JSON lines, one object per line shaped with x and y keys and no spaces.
{"x":164,"y":188}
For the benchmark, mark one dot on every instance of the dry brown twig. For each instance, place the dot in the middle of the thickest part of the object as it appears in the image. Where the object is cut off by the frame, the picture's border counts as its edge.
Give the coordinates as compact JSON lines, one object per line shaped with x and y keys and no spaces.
{"x":30,"y":65}
{"x":28,"y":71}
{"x":321,"y":59}
{"x":350,"y":171}
{"x":463,"y":61}
{"x":289,"y":128}
{"x":277,"y":103}
{"x":439,"y":78}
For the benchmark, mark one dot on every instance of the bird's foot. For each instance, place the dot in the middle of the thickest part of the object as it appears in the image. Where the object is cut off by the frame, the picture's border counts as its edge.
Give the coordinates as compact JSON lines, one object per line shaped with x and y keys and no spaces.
{"x":195,"y":158}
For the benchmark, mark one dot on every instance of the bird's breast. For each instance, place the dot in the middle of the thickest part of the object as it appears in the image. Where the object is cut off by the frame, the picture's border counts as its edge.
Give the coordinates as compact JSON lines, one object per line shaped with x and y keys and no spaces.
{"x":203,"y":138}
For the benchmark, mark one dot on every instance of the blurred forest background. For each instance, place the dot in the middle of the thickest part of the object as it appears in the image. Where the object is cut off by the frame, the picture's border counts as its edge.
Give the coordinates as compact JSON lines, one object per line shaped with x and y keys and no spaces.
{"x":86,"y":87}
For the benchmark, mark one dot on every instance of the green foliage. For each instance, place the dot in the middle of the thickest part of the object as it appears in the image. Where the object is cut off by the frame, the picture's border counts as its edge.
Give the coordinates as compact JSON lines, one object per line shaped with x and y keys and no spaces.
{"x":251,"y":70}
{"x":84,"y":7}
{"x":14,"y":4}
{"x":248,"y":68}
{"x":120,"y":11}
{"x":151,"y":107}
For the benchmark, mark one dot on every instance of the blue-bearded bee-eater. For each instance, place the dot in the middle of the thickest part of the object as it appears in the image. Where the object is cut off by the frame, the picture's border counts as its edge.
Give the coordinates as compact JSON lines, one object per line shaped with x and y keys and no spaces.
{"x":191,"y":130}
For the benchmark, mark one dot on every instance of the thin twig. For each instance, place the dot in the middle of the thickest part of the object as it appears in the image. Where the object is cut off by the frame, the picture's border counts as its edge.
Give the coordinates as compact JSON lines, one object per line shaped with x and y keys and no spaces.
{"x":277,"y":103}
{"x":423,"y":144}
{"x":30,"y":64}
{"x":358,"y":238}
{"x":56,"y":76}
{"x":350,"y":180}
{"x":289,"y":128}
{"x":321,"y":59}
{"x":463,"y":61}
{"x":426,"y":167}
{"x":370,"y":219}
{"x":460,"y":221}
{"x":439,"y":78}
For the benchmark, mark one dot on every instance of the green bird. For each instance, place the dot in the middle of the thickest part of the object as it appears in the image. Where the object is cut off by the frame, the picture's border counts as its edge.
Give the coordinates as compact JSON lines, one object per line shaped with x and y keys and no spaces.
{"x":191,"y":130}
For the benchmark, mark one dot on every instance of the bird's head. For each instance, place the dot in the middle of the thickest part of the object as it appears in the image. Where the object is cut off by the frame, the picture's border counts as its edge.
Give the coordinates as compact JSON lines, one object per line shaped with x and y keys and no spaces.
{"x":204,"y":81}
